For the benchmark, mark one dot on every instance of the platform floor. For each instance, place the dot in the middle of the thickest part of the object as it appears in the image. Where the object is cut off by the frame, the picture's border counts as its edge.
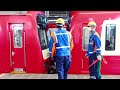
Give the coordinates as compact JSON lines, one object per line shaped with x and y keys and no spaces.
{"x":51,"y":76}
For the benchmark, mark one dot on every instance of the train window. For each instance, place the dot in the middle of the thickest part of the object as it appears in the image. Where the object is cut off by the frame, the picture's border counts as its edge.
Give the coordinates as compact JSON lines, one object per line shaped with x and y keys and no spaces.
{"x":42,"y":20}
{"x":85,"y":39}
{"x":41,"y":25}
{"x":18,"y":38}
{"x":50,"y":31}
{"x":110,"y":37}
{"x":48,"y":35}
{"x":43,"y":38}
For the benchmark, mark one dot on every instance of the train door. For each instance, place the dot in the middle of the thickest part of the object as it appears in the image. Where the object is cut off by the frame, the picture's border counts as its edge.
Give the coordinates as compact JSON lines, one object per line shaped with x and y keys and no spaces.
{"x":17,"y":44}
{"x":85,"y":40}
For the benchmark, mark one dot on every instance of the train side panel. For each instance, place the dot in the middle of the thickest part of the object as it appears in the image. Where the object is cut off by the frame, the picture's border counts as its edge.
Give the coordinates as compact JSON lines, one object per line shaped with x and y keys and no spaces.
{"x":78,"y":25}
{"x":20,"y":47}
{"x":4,"y":47}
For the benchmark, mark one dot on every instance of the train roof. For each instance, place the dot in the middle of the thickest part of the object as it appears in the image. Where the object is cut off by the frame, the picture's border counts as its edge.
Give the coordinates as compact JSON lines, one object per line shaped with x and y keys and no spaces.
{"x":19,"y":12}
{"x":97,"y":12}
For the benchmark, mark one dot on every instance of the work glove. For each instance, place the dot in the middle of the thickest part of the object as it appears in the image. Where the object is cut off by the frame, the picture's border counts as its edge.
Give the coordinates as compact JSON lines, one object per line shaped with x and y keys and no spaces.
{"x":99,"y":57}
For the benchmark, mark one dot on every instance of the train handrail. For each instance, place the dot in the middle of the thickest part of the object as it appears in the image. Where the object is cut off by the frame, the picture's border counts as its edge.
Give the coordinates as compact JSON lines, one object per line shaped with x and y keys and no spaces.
{"x":24,"y":51}
{"x":10,"y":50}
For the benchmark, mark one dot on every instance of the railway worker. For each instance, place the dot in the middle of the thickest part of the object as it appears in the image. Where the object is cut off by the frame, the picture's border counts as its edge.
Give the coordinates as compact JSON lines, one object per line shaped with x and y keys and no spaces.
{"x":94,"y":52}
{"x":60,"y":46}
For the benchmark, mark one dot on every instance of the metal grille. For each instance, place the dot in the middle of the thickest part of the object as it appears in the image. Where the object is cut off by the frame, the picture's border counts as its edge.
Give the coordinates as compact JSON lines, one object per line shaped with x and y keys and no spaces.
{"x":57,"y":13}
{"x":54,"y":15}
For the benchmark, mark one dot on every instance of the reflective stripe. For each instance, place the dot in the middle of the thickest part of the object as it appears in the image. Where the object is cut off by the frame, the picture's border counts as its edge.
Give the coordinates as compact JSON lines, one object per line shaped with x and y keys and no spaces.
{"x":50,"y":52}
{"x":56,"y":37}
{"x":90,"y":43}
{"x":90,"y":52}
{"x":68,"y":37}
{"x":61,"y":33}
{"x":98,"y":49}
{"x":63,"y":47}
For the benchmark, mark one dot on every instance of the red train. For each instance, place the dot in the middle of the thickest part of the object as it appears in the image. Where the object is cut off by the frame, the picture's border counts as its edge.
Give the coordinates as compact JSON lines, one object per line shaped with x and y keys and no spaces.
{"x":108,"y":26}
{"x":24,"y":42}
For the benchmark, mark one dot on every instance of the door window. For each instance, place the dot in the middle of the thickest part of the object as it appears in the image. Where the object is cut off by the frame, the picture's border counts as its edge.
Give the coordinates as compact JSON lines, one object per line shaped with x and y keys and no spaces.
{"x":85,"y":40}
{"x":17,"y":35}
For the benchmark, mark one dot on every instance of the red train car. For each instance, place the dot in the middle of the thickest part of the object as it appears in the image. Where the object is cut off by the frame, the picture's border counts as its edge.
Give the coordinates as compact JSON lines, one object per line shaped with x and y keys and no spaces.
{"x":24,"y":42}
{"x":108,"y":26}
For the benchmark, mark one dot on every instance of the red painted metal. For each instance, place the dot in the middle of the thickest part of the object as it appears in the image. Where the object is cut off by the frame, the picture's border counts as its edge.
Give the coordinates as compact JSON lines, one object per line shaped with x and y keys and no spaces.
{"x":79,"y":63}
{"x":31,"y":52}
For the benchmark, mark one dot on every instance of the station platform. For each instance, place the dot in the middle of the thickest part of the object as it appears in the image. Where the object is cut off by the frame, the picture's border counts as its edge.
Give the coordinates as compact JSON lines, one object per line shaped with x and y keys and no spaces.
{"x":51,"y":76}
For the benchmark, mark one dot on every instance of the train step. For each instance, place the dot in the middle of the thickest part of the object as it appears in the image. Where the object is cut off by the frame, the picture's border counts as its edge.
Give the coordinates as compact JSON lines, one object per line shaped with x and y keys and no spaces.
{"x":18,"y":72}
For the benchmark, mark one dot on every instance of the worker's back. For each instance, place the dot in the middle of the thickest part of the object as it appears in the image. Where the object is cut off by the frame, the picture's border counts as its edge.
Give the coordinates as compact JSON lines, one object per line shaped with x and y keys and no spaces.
{"x":62,"y":42}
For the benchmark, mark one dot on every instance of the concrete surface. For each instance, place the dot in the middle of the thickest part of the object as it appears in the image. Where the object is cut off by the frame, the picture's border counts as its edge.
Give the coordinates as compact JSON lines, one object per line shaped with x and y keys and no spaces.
{"x":51,"y":76}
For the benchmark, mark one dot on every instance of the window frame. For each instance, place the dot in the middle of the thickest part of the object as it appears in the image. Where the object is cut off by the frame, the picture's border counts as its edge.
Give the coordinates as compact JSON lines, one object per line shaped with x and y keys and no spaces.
{"x":108,"y":37}
{"x":116,"y":52}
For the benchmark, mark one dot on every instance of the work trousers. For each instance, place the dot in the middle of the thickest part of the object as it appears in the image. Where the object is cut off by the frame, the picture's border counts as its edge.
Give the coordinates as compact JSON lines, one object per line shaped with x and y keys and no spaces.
{"x":62,"y":66}
{"x":95,"y":68}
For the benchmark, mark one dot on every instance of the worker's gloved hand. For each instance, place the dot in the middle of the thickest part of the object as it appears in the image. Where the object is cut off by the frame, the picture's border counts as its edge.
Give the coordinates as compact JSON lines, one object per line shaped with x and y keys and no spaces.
{"x":99,"y":57}
{"x":86,"y":55}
